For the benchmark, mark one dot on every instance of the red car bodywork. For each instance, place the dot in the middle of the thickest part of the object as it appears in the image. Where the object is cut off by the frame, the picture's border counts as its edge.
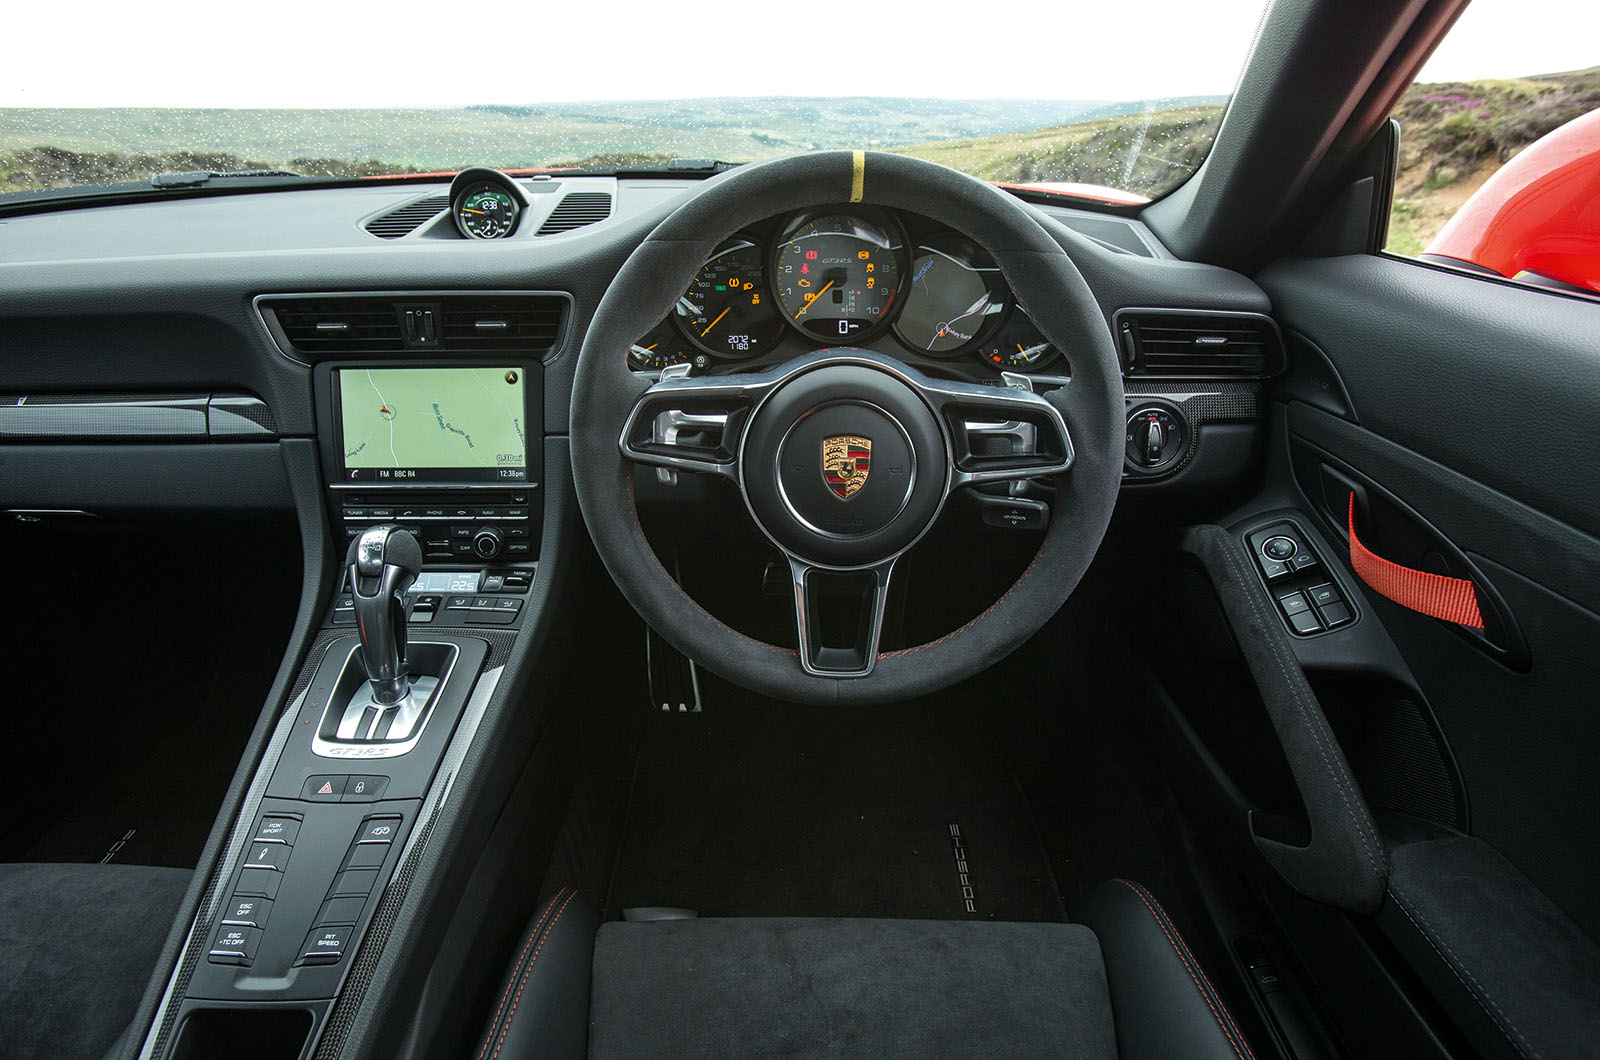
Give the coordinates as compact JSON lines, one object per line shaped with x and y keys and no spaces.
{"x":1540,"y":214}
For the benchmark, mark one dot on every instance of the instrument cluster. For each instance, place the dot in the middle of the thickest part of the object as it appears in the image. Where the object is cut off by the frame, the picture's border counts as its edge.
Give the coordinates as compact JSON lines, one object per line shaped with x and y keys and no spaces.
{"x":847,"y":276}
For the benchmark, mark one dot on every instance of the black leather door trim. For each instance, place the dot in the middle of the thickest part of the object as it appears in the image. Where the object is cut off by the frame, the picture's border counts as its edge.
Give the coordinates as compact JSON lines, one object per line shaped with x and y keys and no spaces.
{"x":1476,"y":519}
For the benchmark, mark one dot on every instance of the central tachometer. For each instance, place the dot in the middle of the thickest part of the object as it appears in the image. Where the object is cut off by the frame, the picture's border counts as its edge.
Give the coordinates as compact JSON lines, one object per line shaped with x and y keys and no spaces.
{"x":837,"y":275}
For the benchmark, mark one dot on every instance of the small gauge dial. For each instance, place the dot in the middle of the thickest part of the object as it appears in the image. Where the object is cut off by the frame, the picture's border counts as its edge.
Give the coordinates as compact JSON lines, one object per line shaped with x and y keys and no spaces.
{"x":837,"y":276}
{"x":662,"y":347}
{"x":486,"y":211}
{"x":1018,"y":346}
{"x":727,"y":310}
{"x":956,"y":297}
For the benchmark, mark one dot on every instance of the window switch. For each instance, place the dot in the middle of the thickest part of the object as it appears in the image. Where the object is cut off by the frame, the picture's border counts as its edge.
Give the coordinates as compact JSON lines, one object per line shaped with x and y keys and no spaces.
{"x":1294,"y":604}
{"x":1303,"y":562}
{"x":1336,"y":615}
{"x":1305,"y":622}
{"x":1324,"y":594}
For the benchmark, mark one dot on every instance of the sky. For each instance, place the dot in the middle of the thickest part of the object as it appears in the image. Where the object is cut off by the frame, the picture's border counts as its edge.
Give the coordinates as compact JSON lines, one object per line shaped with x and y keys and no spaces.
{"x":295,"y":53}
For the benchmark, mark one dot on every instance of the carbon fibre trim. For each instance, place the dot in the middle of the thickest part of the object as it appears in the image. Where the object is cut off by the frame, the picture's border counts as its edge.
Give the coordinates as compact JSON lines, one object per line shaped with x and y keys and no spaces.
{"x":193,"y":952}
{"x":370,"y":951}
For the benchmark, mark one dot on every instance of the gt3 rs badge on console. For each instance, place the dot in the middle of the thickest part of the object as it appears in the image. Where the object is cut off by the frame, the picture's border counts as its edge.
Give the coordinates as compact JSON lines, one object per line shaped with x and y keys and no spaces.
{"x":846,"y":462}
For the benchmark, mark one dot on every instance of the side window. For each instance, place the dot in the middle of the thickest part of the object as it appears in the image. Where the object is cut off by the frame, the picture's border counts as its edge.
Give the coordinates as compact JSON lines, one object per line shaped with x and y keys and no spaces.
{"x":1500,"y":147}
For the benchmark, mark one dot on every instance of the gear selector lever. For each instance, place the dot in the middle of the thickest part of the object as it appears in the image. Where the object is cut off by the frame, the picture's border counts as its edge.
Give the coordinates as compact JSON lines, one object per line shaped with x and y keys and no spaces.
{"x":383,"y":562}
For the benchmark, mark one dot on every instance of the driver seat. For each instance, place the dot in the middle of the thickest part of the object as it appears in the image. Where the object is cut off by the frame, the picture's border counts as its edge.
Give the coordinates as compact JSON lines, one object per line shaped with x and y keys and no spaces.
{"x":1123,"y":985}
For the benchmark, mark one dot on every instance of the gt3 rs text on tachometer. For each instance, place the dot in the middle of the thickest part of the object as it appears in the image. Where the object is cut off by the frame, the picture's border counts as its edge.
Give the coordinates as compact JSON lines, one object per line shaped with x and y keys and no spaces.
{"x":837,"y":276}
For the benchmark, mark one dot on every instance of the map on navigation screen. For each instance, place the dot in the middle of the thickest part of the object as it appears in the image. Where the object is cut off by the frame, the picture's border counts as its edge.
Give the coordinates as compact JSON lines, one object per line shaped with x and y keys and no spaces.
{"x":432,"y":424}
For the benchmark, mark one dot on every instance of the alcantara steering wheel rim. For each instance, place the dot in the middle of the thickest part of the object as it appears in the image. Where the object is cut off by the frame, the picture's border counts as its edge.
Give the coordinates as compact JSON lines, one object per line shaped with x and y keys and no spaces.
{"x":775,"y":428}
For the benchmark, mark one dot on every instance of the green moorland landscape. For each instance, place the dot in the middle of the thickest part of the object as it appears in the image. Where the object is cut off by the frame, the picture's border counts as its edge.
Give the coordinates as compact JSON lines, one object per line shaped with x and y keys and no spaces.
{"x":1454,"y":136}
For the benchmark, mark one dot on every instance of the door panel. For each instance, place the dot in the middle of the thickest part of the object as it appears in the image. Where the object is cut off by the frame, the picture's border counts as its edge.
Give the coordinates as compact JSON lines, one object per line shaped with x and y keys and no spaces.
{"x":1497,"y":382}
{"x":1472,"y":407}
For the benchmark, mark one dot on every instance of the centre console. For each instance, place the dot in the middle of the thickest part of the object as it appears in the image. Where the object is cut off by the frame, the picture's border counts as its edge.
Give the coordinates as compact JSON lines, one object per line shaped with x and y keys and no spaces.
{"x":432,"y":478}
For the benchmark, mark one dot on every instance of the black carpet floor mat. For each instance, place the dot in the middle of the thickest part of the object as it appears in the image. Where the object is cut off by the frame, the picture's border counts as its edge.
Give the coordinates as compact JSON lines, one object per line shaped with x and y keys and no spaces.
{"x":757,"y":808}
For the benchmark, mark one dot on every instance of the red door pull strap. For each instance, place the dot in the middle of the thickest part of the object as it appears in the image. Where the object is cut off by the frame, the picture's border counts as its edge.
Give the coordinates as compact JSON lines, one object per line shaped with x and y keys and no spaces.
{"x":1450,"y":599}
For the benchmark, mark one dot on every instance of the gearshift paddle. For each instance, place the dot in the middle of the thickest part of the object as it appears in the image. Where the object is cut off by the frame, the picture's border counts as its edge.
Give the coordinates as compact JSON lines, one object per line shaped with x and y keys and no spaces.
{"x":383,"y":562}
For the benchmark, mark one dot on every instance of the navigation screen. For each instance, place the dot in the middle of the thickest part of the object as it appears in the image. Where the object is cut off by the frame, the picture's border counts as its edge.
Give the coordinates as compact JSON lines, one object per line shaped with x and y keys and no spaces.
{"x":432,"y":425}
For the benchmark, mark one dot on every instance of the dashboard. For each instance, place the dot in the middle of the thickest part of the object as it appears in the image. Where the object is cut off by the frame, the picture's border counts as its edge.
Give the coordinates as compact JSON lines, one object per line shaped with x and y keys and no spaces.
{"x":149,"y":367}
{"x":848,"y":276}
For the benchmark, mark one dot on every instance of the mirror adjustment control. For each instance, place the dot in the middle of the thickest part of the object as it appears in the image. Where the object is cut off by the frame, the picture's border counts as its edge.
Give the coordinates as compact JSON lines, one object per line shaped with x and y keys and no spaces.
{"x":1279,"y":547}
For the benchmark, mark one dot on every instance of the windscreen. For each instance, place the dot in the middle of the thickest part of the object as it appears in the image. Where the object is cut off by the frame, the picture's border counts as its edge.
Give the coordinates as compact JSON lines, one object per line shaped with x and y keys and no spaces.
{"x":1104,"y":100}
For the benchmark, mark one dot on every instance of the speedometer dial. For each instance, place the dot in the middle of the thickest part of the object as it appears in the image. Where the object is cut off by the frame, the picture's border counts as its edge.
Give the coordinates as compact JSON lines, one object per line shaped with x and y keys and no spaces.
{"x":837,"y":276}
{"x":956,"y":297}
{"x":727,"y":310}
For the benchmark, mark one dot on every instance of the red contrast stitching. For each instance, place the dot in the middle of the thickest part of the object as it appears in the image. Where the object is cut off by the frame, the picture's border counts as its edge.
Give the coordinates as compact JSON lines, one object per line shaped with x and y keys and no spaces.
{"x":516,"y":971}
{"x":1024,"y":576}
{"x":650,"y":556}
{"x":533,"y":960}
{"x":1190,"y":965}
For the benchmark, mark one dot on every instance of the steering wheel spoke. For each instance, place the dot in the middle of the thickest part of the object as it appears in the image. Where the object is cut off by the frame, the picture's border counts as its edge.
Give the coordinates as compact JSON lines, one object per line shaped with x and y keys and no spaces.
{"x":824,"y":598}
{"x":1001,"y":434}
{"x":695,"y":425}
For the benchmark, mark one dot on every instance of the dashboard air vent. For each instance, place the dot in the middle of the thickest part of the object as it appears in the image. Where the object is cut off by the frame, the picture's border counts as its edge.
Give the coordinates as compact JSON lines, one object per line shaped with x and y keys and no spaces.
{"x":1190,"y":344}
{"x":406,"y":219}
{"x":494,"y":323}
{"x":313,"y":327}
{"x":579,"y":208}
{"x":338,"y":325}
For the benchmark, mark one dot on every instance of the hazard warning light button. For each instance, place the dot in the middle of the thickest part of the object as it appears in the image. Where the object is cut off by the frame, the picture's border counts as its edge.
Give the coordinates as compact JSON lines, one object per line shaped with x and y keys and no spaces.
{"x":324,"y":788}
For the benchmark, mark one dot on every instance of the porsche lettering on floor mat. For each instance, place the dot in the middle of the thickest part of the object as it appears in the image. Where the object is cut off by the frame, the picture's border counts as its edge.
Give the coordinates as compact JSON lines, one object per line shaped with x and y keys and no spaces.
{"x":958,"y":847}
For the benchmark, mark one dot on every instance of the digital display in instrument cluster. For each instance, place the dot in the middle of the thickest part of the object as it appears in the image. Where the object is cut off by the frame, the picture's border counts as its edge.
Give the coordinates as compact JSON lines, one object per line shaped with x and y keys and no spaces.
{"x":840,"y":277}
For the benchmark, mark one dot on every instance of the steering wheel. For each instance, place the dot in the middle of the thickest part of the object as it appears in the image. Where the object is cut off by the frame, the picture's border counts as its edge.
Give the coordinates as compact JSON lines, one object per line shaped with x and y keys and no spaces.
{"x":846,"y":457}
